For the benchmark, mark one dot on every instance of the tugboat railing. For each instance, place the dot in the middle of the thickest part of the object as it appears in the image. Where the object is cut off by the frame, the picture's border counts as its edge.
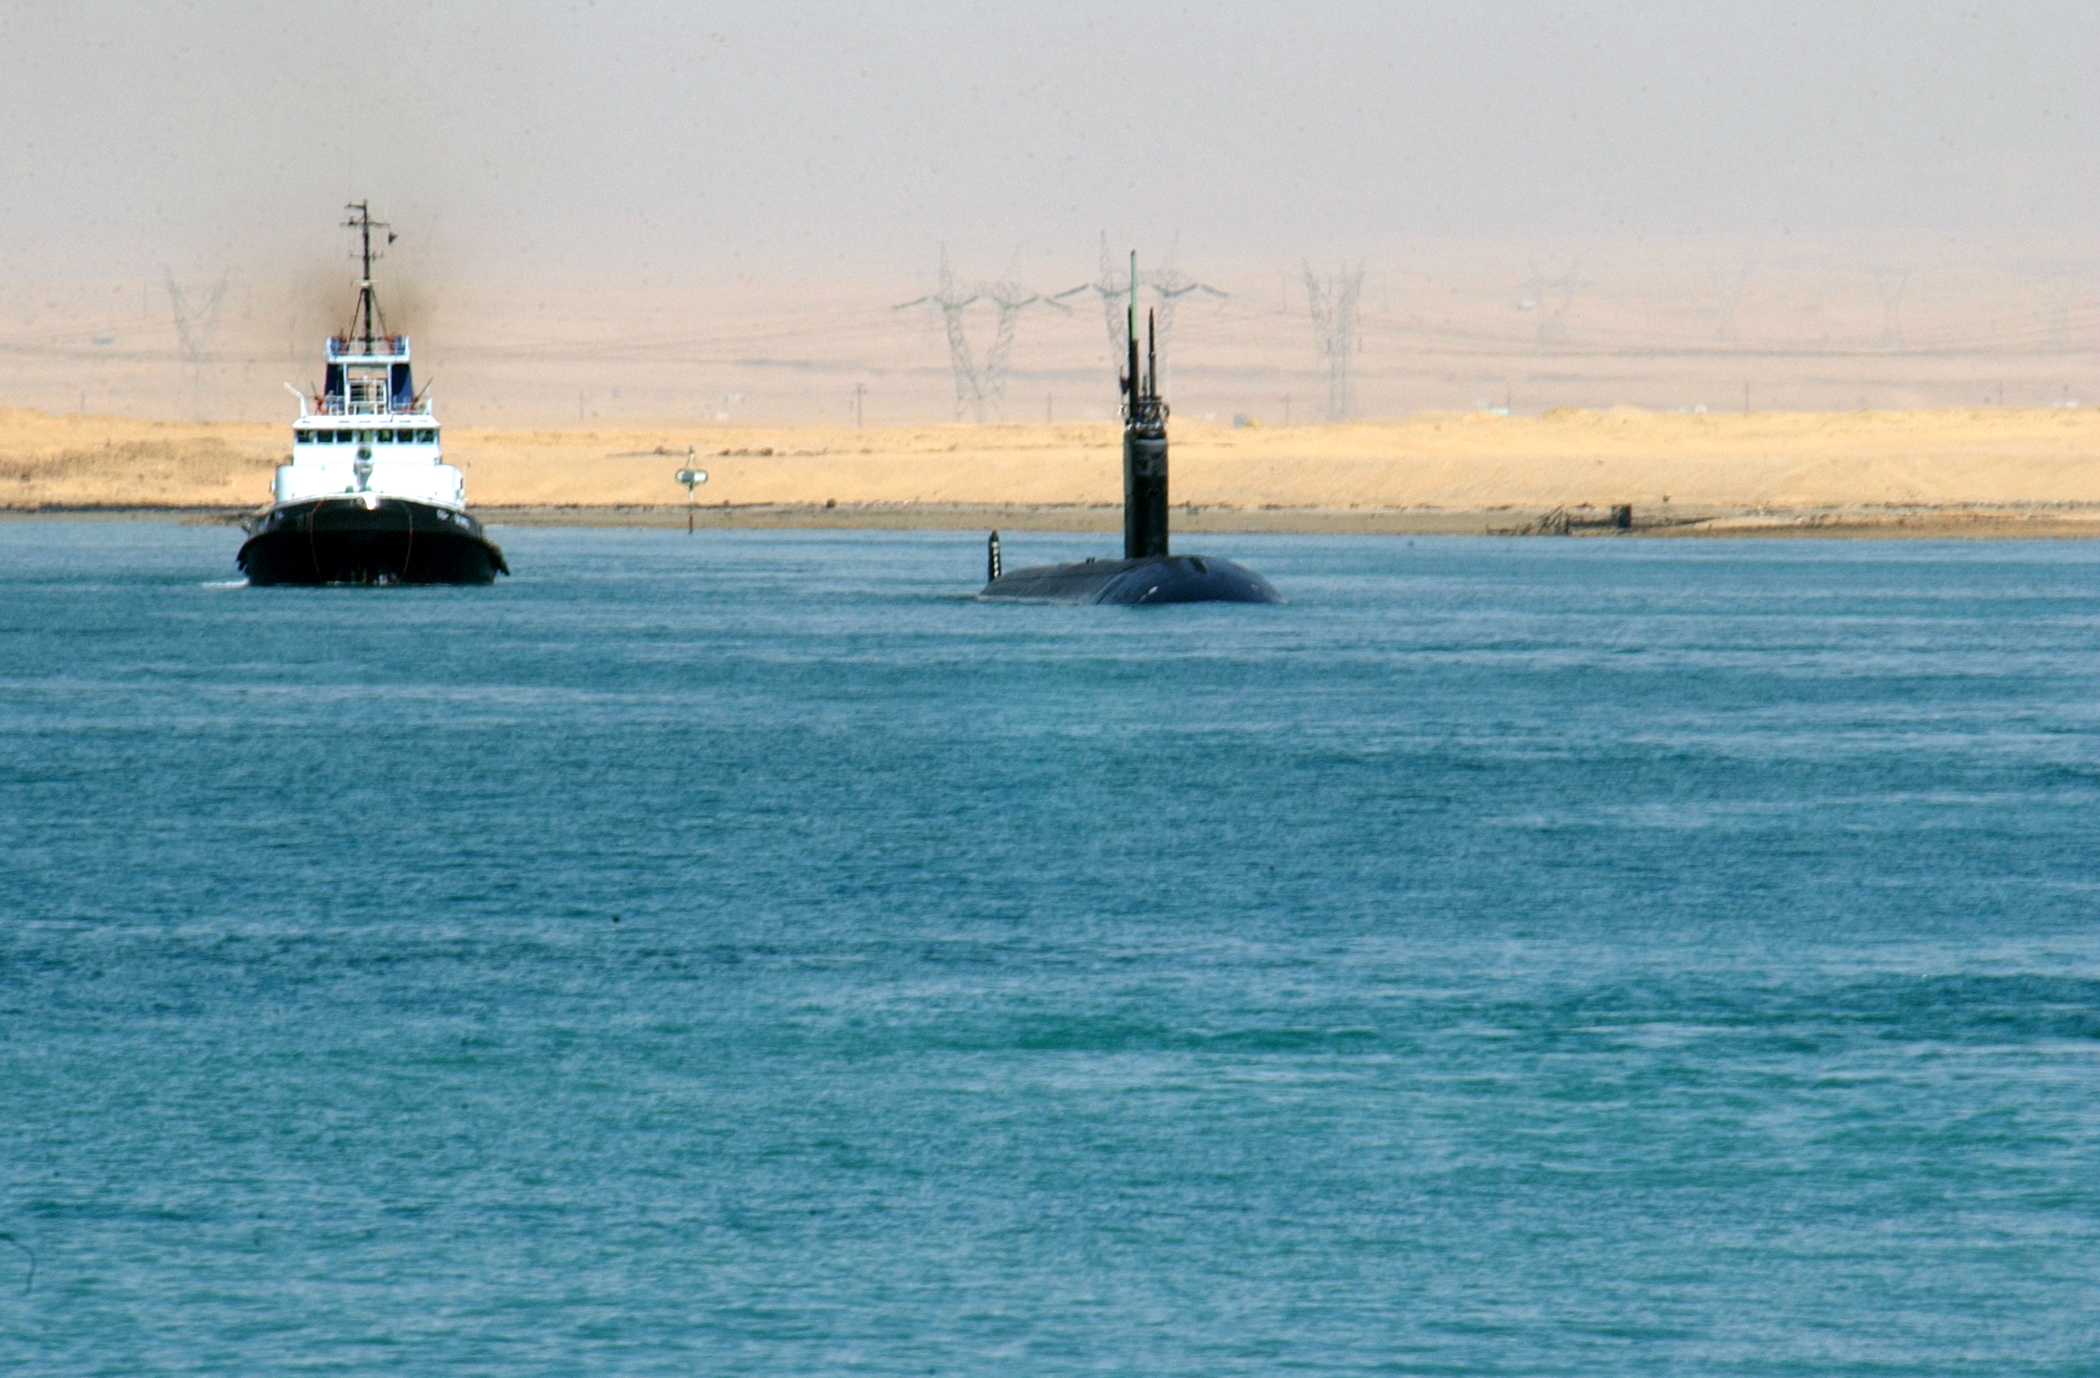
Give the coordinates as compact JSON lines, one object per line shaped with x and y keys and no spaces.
{"x":334,"y":405}
{"x":381,"y":347}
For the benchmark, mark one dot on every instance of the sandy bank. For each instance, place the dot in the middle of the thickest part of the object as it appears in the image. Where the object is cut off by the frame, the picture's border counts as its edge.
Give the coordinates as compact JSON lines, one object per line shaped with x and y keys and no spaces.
{"x":2011,"y":471}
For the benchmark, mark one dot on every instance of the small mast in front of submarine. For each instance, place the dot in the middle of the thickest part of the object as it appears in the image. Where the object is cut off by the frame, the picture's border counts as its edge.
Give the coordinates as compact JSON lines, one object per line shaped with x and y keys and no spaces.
{"x":1144,"y":443}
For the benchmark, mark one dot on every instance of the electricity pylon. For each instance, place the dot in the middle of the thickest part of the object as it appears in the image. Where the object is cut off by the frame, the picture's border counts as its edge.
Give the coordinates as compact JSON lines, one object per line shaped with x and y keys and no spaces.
{"x":950,"y":299}
{"x":1890,"y":282}
{"x":1114,"y":290}
{"x":1553,"y":320}
{"x":1167,"y":284}
{"x":2060,"y":283}
{"x":1728,"y":294}
{"x":1333,"y":304}
{"x":196,"y":323}
{"x":1012,"y":298}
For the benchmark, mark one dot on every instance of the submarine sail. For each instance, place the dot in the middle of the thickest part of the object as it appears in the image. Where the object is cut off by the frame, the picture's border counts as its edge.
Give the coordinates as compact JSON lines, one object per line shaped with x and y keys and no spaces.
{"x":1149,"y":571}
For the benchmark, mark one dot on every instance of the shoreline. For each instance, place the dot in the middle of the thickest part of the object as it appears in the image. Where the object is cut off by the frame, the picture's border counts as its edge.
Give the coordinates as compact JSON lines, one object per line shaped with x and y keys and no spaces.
{"x":1974,"y":473}
{"x":2054,"y":521}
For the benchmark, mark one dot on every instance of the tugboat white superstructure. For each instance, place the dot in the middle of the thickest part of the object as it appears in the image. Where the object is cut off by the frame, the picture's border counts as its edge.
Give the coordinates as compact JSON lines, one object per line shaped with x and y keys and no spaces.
{"x":367,"y":497}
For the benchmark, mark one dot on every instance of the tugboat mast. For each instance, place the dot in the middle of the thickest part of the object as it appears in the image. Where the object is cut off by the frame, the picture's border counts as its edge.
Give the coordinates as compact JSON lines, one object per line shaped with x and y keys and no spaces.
{"x":367,"y":304}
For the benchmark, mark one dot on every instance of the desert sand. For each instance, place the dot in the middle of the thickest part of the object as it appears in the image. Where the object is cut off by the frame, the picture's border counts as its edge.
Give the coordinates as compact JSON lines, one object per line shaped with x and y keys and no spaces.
{"x":1982,"y":470}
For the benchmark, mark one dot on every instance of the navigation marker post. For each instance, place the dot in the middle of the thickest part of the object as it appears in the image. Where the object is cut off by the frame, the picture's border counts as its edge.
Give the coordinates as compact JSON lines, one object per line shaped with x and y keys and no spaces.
{"x":692,"y":479}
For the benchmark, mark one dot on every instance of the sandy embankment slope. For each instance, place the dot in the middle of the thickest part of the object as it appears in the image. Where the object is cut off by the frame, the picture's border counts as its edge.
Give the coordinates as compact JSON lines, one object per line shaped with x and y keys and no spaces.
{"x":2014,"y":463}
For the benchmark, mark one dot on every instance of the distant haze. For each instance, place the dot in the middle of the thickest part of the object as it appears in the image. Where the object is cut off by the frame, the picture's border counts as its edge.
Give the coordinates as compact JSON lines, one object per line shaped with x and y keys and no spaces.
{"x":749,"y":152}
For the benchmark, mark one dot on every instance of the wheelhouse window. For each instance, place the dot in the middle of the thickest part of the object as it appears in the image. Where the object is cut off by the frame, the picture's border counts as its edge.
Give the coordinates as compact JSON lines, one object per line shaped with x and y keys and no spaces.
{"x":427,"y":437}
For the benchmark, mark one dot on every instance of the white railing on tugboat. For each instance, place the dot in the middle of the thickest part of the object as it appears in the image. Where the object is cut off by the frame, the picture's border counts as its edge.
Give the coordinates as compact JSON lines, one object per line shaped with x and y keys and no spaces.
{"x":334,"y":405}
{"x":383,"y":347}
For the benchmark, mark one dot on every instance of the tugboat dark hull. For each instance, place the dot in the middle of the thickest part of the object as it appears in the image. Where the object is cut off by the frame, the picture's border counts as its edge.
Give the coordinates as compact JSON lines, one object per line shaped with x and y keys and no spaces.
{"x":1152,"y":580}
{"x":361,"y":540}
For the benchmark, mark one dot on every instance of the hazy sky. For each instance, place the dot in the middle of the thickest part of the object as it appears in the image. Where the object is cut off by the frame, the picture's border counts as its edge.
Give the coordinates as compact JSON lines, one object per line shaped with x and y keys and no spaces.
{"x":678,"y":141}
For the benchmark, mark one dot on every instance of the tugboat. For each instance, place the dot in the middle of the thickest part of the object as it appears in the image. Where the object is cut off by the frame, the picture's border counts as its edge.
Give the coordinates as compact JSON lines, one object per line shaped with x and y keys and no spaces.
{"x":367,"y":497}
{"x":1147,"y":573}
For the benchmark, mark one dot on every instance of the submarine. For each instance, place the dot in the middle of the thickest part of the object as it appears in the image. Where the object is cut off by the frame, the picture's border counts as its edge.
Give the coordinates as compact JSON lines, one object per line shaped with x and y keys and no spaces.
{"x":1148,"y":573}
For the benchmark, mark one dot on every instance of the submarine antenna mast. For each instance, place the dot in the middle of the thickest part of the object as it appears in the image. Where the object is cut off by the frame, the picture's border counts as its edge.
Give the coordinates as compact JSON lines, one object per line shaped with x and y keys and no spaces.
{"x":1130,"y":379}
{"x":1132,"y":332}
{"x":1144,"y":444}
{"x":366,"y":317}
{"x":1151,"y":356}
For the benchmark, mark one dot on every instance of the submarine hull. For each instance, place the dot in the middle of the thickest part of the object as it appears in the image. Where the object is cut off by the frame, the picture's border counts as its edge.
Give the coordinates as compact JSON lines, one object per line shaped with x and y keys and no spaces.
{"x":1154,"y":579}
{"x":365,"y":540}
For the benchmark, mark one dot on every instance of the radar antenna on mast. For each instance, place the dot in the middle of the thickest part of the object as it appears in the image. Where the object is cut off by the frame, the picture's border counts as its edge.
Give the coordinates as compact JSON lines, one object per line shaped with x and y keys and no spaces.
{"x":367,"y":314}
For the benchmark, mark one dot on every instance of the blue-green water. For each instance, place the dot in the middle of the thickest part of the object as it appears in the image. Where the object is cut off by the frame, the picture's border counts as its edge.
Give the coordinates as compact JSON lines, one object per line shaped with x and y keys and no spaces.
{"x":744,"y":953}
